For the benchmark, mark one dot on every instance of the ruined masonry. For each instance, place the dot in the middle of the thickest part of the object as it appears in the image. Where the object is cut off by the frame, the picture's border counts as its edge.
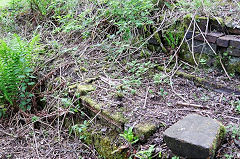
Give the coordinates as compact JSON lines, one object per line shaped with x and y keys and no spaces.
{"x":195,"y":136}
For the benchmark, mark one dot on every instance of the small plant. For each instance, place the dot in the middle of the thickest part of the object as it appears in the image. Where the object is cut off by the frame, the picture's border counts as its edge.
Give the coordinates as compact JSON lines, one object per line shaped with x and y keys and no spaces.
{"x":129,"y":136}
{"x":228,"y":156}
{"x":237,"y":103}
{"x":235,"y":131}
{"x":35,"y":119}
{"x":160,"y":78}
{"x":172,"y":39}
{"x":162,"y":92}
{"x":203,"y":61}
{"x":145,"y":154}
{"x":78,"y":129}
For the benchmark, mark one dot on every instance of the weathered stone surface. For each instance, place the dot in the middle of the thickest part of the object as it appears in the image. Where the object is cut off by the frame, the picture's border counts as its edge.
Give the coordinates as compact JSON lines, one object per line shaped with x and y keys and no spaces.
{"x":195,"y":136}
{"x":224,"y":40}
{"x":233,"y":52}
{"x":210,"y":37}
{"x":235,"y":42}
{"x":84,"y":89}
{"x":201,"y":47}
{"x":145,"y":130}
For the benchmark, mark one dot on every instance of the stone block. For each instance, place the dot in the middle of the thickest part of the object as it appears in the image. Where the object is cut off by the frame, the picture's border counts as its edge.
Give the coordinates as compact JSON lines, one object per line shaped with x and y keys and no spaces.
{"x":189,"y":35}
{"x":233,"y":52}
{"x":210,"y":37}
{"x":195,"y":136}
{"x":235,"y":42}
{"x":224,"y":40}
{"x":84,"y":89}
{"x":201,"y":47}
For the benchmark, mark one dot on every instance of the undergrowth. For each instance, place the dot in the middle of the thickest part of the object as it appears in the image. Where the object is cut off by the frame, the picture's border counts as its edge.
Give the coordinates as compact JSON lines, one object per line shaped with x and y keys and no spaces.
{"x":16,"y":68}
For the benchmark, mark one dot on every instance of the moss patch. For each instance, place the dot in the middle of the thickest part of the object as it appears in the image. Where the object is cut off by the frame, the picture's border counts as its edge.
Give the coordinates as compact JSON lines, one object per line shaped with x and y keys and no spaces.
{"x":116,"y":118}
{"x":84,"y":89}
{"x":104,"y":143}
{"x":219,"y":138}
{"x":145,"y":130}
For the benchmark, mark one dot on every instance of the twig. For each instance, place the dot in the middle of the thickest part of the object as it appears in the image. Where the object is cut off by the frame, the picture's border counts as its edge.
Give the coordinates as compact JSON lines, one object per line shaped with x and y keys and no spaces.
{"x":145,"y":101}
{"x":191,"y":105}
{"x":4,"y":132}
{"x":36,"y":145}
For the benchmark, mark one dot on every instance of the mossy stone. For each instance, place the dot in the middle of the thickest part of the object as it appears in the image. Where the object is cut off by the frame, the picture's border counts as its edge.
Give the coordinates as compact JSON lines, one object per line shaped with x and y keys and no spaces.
{"x":84,"y":89}
{"x":104,"y":143}
{"x":145,"y":130}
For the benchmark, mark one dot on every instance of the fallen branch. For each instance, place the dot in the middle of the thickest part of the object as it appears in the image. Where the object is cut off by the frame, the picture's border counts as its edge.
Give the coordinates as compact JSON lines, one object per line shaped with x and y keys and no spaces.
{"x":191,"y":105}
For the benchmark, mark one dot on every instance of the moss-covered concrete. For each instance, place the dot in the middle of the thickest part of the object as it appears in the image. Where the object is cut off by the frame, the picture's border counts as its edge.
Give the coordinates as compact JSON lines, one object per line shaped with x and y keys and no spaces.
{"x":219,"y":138}
{"x":104,"y":142}
{"x":84,"y":89}
{"x":145,"y":130}
{"x":202,"y":82}
{"x":115,"y":118}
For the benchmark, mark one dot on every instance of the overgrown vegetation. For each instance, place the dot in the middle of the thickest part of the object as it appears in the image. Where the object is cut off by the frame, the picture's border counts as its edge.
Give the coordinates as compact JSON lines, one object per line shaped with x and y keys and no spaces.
{"x":16,"y":68}
{"x":70,"y":32}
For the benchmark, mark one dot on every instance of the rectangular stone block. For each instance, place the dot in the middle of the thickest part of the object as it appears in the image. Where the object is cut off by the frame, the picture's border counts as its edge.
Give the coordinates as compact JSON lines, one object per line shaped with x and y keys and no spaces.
{"x":224,"y":40}
{"x":201,"y":47}
{"x":195,"y":137}
{"x":235,"y":42}
{"x":233,"y":52}
{"x":210,"y":37}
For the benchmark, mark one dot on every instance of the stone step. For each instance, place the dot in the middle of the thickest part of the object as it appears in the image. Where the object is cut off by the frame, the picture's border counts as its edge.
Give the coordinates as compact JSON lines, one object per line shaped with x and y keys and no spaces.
{"x":195,"y":136}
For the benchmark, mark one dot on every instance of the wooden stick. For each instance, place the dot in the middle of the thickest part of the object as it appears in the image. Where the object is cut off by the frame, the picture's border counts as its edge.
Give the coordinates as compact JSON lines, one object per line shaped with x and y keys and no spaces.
{"x":191,"y":105}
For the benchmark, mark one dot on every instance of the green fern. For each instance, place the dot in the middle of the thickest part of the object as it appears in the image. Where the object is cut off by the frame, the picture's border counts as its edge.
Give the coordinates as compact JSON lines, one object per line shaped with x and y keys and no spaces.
{"x":16,"y":70}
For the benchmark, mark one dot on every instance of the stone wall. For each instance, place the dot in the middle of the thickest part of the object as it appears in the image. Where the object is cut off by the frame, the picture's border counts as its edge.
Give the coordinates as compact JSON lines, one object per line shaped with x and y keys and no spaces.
{"x":215,"y":42}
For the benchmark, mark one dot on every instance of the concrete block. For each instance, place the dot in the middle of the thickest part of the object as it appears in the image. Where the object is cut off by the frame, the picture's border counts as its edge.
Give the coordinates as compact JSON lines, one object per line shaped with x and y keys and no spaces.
{"x":201,"y":47}
{"x":224,"y":40}
{"x":195,"y":136}
{"x":235,"y":42}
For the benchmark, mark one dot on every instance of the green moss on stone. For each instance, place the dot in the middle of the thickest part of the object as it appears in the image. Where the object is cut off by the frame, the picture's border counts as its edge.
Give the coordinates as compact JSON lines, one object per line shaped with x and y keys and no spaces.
{"x":91,"y":102}
{"x":116,"y":118}
{"x":217,"y":141}
{"x":84,"y":89}
{"x":105,"y":144}
{"x":145,"y":130}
